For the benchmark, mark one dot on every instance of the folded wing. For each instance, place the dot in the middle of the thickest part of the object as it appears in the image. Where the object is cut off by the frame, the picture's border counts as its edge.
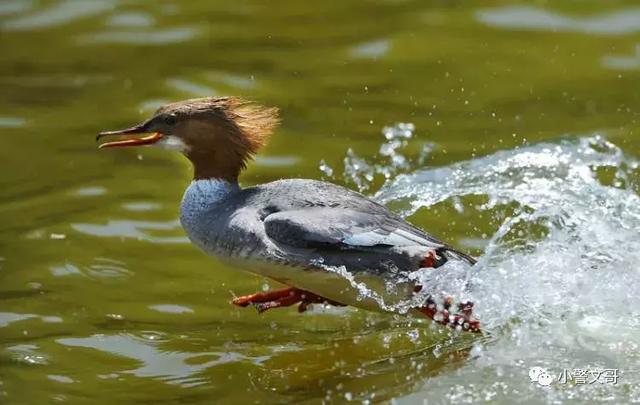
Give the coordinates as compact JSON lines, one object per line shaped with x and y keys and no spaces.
{"x":378,"y":237}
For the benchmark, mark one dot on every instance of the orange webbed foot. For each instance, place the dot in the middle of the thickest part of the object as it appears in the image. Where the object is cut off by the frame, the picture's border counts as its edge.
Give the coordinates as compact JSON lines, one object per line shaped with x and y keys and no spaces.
{"x":262,"y":297}
{"x":264,"y":301}
{"x":461,"y":320}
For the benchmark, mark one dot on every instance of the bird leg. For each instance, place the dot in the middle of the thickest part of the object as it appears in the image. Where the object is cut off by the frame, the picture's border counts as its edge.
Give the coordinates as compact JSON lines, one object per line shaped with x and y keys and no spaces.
{"x":282,"y":298}
{"x":266,"y":296}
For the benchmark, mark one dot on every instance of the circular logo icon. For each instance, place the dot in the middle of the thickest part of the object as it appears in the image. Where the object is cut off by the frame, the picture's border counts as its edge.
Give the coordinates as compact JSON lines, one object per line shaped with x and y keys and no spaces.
{"x":545,"y":379}
{"x":541,"y":376}
{"x":534,"y":373}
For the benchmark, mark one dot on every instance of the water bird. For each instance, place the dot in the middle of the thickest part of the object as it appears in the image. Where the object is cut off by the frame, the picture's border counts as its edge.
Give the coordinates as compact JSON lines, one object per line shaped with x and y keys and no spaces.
{"x":323,"y":241}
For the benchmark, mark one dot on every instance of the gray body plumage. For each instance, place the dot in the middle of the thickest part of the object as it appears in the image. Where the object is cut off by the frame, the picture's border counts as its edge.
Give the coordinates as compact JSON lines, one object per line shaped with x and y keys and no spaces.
{"x":294,"y":230}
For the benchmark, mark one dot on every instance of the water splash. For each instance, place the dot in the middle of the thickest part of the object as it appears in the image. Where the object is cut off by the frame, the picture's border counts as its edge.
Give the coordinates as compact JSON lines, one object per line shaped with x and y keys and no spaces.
{"x":557,"y":285}
{"x":567,"y":206}
{"x":566,"y":233}
{"x":570,"y":216}
{"x":325,"y":168}
{"x":389,"y":161}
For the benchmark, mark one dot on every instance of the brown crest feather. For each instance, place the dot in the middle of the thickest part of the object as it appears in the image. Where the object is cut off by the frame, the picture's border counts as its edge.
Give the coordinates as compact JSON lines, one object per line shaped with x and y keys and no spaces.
{"x":224,"y":132}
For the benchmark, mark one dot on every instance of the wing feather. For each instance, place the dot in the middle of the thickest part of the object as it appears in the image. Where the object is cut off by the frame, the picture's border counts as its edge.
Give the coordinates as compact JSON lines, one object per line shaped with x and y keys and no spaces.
{"x":344,"y":228}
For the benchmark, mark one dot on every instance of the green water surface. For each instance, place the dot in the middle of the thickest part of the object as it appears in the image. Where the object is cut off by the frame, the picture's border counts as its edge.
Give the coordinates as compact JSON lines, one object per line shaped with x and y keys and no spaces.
{"x":102,"y":298}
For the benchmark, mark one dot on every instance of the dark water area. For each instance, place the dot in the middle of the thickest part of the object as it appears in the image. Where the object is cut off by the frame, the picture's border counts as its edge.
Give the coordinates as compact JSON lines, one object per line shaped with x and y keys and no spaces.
{"x":508,"y":129}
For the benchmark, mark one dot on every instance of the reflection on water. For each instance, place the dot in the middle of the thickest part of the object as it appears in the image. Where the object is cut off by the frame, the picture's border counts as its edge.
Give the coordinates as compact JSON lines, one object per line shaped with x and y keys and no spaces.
{"x":91,"y":191}
{"x":133,"y":229}
{"x":63,"y":12}
{"x":171,"y":308}
{"x":141,"y":206}
{"x":67,"y":269}
{"x":620,"y":62}
{"x":12,"y":122}
{"x":14,"y":6}
{"x":27,"y":354}
{"x":131,"y":20}
{"x":7,"y":318}
{"x":619,"y":22}
{"x":107,"y":268}
{"x":373,"y":50}
{"x":156,"y":37}
{"x":60,"y":378}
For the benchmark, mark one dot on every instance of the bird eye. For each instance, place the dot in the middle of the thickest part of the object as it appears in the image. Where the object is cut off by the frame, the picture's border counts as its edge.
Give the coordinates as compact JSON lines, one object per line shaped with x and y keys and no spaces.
{"x":170,"y":119}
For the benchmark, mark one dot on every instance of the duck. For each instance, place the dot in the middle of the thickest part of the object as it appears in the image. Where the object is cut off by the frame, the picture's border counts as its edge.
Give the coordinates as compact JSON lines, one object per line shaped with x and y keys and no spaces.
{"x":323,"y":241}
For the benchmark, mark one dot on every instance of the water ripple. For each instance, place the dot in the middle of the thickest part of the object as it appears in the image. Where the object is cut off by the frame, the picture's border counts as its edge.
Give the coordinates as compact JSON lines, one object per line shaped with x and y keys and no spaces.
{"x":12,"y":122}
{"x":90,"y":191}
{"x":133,"y":229}
{"x":7,"y":318}
{"x":141,"y":206}
{"x":14,"y":6}
{"x":131,"y":20}
{"x":28,"y":354}
{"x":137,"y":37}
{"x":370,"y":50}
{"x":171,"y":367}
{"x":621,"y":22}
{"x":59,"y":14}
{"x":171,"y":308}
{"x":623,"y":62}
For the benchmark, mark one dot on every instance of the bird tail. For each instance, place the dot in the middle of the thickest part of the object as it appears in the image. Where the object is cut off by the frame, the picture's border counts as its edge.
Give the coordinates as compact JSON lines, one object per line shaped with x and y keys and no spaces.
{"x":450,"y":253}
